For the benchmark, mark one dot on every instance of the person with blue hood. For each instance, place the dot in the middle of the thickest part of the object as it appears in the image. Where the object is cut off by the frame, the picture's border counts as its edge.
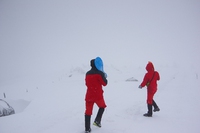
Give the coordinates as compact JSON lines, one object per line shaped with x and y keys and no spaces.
{"x":94,"y":80}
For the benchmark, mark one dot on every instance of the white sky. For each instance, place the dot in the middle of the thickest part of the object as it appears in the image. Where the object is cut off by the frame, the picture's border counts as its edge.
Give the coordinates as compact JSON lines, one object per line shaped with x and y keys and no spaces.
{"x":44,"y":35}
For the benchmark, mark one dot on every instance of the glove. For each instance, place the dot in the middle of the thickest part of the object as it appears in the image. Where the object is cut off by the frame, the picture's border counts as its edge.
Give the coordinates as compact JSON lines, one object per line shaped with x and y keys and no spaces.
{"x":140,"y":86}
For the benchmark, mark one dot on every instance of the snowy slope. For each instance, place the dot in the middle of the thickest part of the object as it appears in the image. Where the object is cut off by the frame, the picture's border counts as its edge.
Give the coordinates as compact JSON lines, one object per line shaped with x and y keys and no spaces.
{"x":59,"y":106}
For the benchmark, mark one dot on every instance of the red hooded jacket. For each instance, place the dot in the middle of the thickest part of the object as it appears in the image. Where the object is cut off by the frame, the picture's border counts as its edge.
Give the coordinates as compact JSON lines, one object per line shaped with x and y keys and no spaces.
{"x":150,"y":78}
{"x":94,"y":80}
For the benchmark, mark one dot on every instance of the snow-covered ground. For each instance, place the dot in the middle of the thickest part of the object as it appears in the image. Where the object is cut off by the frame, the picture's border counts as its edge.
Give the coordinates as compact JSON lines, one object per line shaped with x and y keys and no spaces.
{"x":46,"y":47}
{"x":58,"y":105}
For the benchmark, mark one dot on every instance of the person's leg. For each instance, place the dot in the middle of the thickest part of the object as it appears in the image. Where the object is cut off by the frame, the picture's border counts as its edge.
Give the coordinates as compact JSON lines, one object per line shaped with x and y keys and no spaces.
{"x":87,"y":123}
{"x":88,"y":108}
{"x":154,"y":104}
{"x":149,"y":104}
{"x":101,"y":104}
{"x":97,"y":121}
{"x":88,"y":113}
{"x":156,"y":108}
{"x":149,"y":113}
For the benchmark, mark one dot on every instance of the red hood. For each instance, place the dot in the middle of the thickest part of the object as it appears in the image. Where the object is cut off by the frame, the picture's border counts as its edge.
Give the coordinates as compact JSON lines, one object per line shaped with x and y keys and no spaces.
{"x":150,"y":67}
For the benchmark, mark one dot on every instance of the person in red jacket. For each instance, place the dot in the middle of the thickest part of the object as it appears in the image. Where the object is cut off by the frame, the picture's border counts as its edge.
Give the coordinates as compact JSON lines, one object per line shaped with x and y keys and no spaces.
{"x":94,"y":81}
{"x":150,"y":80}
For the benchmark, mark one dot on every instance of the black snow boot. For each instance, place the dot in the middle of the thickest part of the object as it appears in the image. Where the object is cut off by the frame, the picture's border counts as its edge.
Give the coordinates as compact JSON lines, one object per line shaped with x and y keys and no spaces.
{"x":156,"y":108}
{"x":87,"y":123}
{"x":97,"y":121}
{"x":149,"y":113}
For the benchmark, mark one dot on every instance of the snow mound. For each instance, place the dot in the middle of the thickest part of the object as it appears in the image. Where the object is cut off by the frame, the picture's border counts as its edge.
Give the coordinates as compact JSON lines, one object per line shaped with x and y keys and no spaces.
{"x":132,"y":79}
{"x":18,"y":105}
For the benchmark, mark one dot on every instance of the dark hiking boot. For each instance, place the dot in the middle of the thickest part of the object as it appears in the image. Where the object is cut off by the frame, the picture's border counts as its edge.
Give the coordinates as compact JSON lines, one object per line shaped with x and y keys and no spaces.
{"x":96,"y":123}
{"x":87,"y":123}
{"x":156,"y":109}
{"x":88,"y":131}
{"x":147,"y":115}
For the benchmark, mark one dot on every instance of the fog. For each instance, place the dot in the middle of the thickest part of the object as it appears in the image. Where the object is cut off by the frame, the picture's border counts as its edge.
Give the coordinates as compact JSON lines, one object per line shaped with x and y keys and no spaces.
{"x":38,"y":37}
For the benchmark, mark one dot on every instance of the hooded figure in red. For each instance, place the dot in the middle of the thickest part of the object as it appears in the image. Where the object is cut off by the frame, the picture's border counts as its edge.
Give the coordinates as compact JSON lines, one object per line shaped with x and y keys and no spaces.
{"x":150,"y":80}
{"x":94,"y":80}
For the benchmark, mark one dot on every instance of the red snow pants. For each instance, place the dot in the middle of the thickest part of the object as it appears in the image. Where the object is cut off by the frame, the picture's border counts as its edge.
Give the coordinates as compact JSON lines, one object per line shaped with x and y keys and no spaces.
{"x":150,"y":95}
{"x":89,"y":106}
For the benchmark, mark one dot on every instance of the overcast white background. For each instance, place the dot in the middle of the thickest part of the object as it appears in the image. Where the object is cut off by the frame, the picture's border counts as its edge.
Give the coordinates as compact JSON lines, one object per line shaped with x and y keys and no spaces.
{"x":41,"y":36}
{"x":46,"y":47}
